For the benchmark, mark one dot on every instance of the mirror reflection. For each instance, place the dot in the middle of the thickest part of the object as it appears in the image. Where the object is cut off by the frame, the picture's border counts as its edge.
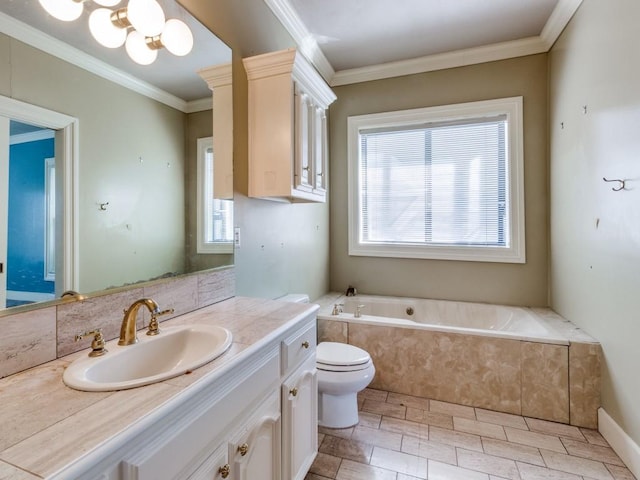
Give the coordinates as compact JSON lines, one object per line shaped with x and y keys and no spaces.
{"x":111,"y":185}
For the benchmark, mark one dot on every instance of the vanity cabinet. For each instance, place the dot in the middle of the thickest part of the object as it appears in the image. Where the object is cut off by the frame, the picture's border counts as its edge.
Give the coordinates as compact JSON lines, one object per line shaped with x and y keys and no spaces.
{"x":215,"y":467}
{"x":255,"y":419}
{"x":299,"y":403}
{"x":300,"y":420}
{"x":256,"y":449}
{"x":288,"y":141}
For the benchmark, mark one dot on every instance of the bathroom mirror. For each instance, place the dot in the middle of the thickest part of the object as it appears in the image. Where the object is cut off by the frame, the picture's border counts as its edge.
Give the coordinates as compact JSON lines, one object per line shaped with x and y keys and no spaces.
{"x":132,"y":179}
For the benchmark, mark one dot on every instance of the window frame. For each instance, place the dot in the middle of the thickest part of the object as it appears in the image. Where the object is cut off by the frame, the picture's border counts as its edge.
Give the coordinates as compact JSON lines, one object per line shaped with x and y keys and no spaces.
{"x":203,"y":144}
{"x":512,"y":108}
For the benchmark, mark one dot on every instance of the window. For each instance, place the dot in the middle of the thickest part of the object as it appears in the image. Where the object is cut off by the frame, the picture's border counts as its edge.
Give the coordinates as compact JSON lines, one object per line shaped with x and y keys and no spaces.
{"x":439,"y":182}
{"x":215,"y":216}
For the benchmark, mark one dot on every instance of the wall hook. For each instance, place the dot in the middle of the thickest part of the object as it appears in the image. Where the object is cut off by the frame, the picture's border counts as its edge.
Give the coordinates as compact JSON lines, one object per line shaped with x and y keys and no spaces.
{"x":621,"y":187}
{"x":103,"y":206}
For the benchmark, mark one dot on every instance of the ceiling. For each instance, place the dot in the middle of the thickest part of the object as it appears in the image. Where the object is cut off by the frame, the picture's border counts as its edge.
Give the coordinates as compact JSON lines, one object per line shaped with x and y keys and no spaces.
{"x":359,"y":40}
{"x":171,"y":76}
{"x":348,"y":41}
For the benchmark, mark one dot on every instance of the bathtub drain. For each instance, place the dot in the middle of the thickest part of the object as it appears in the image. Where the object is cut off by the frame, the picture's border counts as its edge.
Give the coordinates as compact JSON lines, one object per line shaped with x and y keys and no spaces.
{"x":409,"y":310}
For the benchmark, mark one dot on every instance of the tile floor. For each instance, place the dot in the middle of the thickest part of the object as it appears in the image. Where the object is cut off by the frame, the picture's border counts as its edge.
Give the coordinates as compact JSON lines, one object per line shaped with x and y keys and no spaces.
{"x":400,"y":437}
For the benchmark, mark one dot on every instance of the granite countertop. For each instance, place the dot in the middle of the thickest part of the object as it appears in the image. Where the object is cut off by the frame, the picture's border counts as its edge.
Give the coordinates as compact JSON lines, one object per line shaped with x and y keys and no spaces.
{"x":46,"y":425}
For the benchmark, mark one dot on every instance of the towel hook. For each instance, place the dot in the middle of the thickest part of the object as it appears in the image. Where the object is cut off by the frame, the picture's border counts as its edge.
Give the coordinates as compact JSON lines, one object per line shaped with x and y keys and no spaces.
{"x":621,"y":187}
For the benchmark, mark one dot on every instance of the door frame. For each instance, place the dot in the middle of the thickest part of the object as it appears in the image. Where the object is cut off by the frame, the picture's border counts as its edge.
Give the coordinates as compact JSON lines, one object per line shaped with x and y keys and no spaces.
{"x":67,"y":148}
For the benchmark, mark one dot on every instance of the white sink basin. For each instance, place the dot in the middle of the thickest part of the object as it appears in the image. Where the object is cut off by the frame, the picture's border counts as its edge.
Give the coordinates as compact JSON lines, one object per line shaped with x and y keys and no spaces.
{"x":176,"y":350}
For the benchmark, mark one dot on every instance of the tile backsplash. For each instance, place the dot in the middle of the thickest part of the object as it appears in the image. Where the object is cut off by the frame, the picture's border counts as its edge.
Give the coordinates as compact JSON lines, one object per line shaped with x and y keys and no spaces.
{"x":39,"y":336}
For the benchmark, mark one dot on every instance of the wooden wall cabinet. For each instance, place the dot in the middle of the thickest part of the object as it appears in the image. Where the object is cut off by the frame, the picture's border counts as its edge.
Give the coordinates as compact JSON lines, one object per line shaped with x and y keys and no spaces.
{"x":288,"y":141}
{"x":219,"y":80}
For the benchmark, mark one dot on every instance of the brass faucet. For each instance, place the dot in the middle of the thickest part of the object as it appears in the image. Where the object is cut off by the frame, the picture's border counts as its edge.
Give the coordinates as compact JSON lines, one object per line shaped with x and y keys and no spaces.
{"x":128,"y":334}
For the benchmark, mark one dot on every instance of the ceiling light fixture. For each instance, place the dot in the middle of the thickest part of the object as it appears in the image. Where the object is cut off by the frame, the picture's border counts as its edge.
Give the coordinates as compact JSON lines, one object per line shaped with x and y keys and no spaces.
{"x":141,"y":26}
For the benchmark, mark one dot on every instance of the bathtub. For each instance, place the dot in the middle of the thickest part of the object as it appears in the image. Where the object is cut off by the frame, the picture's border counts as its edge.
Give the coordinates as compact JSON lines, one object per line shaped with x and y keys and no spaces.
{"x":515,"y":360}
{"x":518,"y":323}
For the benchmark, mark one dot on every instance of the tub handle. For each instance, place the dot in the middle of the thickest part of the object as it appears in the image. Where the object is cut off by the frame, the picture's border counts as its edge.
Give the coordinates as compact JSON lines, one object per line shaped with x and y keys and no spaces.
{"x":357,"y":313}
{"x":337,"y":308}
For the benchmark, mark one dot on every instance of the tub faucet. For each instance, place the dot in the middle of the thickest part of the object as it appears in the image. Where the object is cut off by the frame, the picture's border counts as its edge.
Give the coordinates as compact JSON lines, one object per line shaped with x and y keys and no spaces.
{"x":128,"y":334}
{"x":358,"y":312}
{"x":351,"y":291}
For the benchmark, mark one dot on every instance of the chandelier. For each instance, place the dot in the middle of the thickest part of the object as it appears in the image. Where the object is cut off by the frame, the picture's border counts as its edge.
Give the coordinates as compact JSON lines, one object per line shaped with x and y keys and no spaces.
{"x":141,"y":26}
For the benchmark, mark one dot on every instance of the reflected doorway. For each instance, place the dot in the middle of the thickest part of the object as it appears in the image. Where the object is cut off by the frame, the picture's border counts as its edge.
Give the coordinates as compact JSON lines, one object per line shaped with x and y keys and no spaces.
{"x":38,"y":203}
{"x":30,"y":200}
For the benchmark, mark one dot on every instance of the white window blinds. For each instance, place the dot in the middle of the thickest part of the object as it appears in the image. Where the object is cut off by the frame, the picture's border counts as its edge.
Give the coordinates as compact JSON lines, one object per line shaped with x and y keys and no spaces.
{"x":442,"y":183}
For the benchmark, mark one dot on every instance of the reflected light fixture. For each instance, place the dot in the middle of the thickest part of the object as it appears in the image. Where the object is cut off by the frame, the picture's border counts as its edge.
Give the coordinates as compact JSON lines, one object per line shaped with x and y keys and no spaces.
{"x":141,"y":26}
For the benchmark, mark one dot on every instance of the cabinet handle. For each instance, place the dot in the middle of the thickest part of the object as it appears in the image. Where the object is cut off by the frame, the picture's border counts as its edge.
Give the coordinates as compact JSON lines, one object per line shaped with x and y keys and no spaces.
{"x":243,"y":449}
{"x":293,"y":391}
{"x":305,"y":344}
{"x":224,"y":471}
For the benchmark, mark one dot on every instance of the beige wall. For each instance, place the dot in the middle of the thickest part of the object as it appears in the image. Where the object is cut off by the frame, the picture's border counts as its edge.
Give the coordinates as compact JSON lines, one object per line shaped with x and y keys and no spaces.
{"x":284,"y":247}
{"x":471,"y":281}
{"x":595,"y":232}
{"x":143,"y":221}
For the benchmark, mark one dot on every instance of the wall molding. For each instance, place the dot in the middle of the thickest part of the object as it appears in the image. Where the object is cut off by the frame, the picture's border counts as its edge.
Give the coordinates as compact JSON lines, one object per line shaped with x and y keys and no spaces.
{"x":305,"y":41}
{"x":308,"y":46}
{"x":622,"y":444}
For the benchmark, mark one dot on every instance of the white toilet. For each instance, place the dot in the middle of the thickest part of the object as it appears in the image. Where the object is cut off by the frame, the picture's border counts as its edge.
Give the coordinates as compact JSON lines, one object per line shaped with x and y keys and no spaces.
{"x":343,"y":371}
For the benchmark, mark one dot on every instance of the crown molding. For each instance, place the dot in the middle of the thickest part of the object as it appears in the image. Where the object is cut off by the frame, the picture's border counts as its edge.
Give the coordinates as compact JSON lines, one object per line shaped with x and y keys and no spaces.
{"x":37,"y":39}
{"x":199,"y":105}
{"x":306,"y":43}
{"x":564,"y":11}
{"x":558,"y":20}
{"x":430,"y":63}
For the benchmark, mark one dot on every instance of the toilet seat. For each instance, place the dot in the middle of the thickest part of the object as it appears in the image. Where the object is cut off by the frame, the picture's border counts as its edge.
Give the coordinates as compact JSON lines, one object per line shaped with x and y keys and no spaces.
{"x":341,"y":357}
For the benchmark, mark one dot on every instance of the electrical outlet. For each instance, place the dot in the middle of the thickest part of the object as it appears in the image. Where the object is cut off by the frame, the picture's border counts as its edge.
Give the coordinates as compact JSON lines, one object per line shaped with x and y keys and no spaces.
{"x":236,"y":237}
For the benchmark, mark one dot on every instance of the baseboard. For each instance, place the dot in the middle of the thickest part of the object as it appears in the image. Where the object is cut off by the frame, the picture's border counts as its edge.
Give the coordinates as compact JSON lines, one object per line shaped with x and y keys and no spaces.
{"x":623,"y":444}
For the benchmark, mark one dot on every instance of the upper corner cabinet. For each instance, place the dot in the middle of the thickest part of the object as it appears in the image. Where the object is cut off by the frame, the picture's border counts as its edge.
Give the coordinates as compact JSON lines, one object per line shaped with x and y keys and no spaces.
{"x":288,"y":145}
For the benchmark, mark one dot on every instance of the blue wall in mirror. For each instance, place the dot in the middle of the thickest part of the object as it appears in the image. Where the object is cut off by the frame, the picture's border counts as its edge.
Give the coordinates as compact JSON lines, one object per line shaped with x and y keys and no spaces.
{"x":27,"y":213}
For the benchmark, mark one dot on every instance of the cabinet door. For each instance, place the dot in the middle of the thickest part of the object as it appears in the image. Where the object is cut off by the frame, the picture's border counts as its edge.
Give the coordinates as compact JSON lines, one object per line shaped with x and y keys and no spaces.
{"x":215,"y":467}
{"x":256,"y":452}
{"x":300,"y":420}
{"x":303,"y":154}
{"x":320,"y":150}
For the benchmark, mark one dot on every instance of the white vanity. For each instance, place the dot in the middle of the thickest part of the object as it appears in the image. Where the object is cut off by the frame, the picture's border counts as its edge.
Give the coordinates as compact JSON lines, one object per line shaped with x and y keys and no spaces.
{"x":249,"y":414}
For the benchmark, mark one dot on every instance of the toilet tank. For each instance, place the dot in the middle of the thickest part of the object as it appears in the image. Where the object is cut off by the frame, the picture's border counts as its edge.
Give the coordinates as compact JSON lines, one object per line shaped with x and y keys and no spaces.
{"x":295,"y":298}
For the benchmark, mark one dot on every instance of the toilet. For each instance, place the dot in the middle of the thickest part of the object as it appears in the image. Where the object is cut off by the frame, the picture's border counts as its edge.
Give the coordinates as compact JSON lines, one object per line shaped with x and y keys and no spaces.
{"x":343,"y":371}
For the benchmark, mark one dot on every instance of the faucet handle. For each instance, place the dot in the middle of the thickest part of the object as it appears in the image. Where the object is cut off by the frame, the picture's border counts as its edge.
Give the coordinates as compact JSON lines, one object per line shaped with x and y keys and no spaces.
{"x":154,"y":327}
{"x":358,"y":311}
{"x":97,"y":344}
{"x":337,"y":308}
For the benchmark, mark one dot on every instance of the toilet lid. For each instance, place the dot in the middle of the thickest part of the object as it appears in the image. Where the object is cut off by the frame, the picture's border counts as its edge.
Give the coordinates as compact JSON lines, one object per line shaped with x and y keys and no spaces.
{"x":340,"y":354}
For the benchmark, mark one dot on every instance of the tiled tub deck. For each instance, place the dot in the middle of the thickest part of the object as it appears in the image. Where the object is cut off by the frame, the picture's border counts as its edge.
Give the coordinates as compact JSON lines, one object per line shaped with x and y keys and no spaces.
{"x":559,"y":383}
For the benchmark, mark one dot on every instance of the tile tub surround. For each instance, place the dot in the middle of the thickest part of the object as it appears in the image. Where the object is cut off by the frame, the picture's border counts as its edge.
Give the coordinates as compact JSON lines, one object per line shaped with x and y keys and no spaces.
{"x":553,"y":382}
{"x":38,"y":336}
{"x":58,"y":424}
{"x":403,"y":437}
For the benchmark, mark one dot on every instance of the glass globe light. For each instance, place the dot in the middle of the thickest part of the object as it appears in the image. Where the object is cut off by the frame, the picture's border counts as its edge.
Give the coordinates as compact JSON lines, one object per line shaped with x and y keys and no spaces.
{"x":136,"y":46}
{"x":65,"y":10}
{"x":146,"y":16}
{"x":103,"y":29}
{"x":107,"y":3}
{"x":177,"y":37}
